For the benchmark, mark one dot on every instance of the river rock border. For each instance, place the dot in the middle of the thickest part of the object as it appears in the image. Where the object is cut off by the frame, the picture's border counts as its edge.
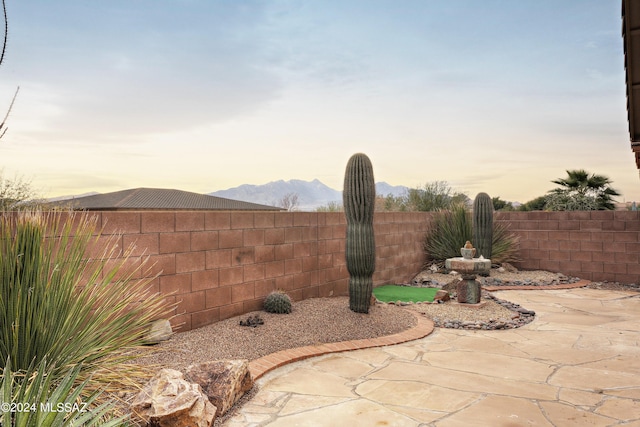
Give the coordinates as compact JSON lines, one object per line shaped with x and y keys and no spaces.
{"x":521,"y":316}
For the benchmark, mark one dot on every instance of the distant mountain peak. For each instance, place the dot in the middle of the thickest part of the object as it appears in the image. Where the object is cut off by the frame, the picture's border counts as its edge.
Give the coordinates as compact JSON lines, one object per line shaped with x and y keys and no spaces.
{"x":311,"y":194}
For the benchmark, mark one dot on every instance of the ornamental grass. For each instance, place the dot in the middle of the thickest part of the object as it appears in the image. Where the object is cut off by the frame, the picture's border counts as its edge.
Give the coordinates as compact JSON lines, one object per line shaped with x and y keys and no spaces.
{"x":71,"y":300}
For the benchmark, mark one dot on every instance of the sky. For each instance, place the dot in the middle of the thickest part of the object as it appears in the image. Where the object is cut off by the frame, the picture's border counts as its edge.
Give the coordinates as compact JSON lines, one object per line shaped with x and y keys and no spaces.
{"x":495,"y":96}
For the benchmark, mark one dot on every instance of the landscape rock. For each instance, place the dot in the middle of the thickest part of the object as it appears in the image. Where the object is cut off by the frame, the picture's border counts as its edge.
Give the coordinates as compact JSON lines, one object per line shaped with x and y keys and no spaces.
{"x":159,"y":330}
{"x":223,"y":381}
{"x":441,"y":296}
{"x":252,"y":321}
{"x":508,"y":267}
{"x":168,"y":400}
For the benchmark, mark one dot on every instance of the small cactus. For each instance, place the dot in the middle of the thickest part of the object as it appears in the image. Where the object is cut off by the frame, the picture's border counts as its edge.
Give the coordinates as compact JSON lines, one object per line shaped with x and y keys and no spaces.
{"x":277,"y":302}
{"x":483,"y":224}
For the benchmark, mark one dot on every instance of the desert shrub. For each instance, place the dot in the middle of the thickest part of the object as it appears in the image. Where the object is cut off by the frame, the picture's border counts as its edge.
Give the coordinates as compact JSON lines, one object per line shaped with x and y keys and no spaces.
{"x":565,"y":201}
{"x":451,"y":228}
{"x":537,"y":204}
{"x":433,"y":196}
{"x":76,"y":312}
{"x":35,"y":400}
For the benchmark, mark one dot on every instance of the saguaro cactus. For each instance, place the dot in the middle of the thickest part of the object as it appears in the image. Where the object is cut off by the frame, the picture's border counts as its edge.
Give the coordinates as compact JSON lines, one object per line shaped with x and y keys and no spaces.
{"x":358,"y":198}
{"x":483,"y":224}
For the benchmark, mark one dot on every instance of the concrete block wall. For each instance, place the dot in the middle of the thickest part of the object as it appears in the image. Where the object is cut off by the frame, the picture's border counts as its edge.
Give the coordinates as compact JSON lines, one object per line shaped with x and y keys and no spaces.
{"x":217,"y":265}
{"x":592,"y":245}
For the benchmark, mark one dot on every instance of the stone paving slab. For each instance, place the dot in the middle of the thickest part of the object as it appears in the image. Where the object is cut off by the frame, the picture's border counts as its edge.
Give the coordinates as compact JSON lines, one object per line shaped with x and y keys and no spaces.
{"x":562,"y":369}
{"x":261,"y":366}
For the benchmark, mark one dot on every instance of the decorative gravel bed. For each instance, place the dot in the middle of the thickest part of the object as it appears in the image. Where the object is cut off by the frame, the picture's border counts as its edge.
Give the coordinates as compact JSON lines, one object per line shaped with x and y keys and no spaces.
{"x":323,"y":320}
{"x":312,"y":321}
{"x":493,"y":314}
{"x":496,"y":313}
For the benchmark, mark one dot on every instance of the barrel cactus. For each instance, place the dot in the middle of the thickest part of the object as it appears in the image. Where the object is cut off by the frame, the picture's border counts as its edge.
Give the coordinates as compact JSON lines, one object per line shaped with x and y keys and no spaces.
{"x":277,"y":302}
{"x":358,"y":198}
{"x":483,"y":224}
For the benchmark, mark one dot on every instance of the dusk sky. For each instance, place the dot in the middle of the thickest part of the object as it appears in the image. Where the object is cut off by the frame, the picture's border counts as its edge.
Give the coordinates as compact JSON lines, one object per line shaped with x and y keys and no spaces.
{"x":500,"y":96}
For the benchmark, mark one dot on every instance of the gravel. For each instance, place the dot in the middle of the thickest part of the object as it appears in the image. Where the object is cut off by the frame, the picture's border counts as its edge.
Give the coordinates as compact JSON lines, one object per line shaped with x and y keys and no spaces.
{"x":312,"y":321}
{"x":323,"y":320}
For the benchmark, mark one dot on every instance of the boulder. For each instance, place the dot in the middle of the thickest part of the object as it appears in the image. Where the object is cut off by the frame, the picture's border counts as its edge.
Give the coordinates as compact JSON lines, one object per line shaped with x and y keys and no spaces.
{"x":167,"y":400}
{"x":441,"y":295}
{"x":159,"y":330}
{"x":223,"y":381}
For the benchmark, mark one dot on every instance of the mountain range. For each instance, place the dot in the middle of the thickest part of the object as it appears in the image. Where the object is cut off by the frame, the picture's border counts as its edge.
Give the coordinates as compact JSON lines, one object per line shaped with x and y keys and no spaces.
{"x":311,"y":194}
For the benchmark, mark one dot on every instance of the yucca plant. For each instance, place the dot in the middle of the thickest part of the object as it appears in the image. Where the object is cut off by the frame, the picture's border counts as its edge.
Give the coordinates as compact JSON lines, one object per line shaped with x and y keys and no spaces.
{"x":58,"y":304}
{"x":33,"y":399}
{"x":451,"y":228}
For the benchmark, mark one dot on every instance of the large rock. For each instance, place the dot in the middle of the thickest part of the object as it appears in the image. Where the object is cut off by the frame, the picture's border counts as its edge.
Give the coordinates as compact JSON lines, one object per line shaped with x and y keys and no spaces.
{"x":167,"y":400}
{"x":508,"y":268}
{"x":442,"y":296}
{"x":223,"y":381}
{"x":159,"y":330}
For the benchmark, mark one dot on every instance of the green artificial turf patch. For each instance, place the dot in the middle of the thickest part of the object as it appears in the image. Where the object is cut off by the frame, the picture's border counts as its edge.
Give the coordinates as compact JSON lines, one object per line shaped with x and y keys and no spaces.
{"x":393,"y":293}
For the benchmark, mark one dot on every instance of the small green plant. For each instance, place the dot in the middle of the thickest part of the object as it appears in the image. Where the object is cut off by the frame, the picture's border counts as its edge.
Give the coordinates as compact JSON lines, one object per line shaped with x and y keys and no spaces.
{"x":451,"y":228}
{"x":277,"y":302}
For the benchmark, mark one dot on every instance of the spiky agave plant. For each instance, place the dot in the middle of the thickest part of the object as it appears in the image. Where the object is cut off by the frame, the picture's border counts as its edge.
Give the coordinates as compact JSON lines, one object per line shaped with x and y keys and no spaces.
{"x":449,"y":229}
{"x":58,"y":303}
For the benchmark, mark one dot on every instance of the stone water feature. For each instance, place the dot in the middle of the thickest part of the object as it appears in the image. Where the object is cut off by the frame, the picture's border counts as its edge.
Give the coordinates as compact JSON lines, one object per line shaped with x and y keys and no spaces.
{"x":469,"y":290}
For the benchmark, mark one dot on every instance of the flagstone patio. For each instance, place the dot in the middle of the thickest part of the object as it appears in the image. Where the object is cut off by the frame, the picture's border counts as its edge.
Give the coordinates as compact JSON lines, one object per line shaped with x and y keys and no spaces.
{"x":576,"y":364}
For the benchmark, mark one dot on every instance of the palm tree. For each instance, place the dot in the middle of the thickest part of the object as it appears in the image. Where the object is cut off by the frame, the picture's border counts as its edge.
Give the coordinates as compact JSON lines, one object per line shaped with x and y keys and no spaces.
{"x":581,"y":184}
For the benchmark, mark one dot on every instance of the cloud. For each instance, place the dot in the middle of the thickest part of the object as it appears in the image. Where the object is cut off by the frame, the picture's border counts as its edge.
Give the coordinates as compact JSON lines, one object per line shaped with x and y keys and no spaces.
{"x":142,"y":69}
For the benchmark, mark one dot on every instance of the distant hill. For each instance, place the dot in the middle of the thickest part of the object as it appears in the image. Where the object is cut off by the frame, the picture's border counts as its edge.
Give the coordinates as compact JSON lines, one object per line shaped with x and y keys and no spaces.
{"x":311,"y":194}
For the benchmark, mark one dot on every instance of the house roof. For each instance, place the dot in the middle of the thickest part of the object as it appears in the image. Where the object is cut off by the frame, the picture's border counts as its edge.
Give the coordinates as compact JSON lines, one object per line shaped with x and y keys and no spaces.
{"x":631,"y":39}
{"x":158,"y":199}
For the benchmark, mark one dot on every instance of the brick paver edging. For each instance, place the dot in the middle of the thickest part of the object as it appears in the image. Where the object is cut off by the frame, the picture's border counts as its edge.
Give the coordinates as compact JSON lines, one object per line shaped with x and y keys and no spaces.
{"x":579,"y":284}
{"x":261,"y":366}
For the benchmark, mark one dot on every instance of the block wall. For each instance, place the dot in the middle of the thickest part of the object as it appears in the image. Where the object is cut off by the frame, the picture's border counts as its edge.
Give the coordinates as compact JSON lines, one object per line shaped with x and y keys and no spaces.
{"x":592,"y":245}
{"x":217,"y":265}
